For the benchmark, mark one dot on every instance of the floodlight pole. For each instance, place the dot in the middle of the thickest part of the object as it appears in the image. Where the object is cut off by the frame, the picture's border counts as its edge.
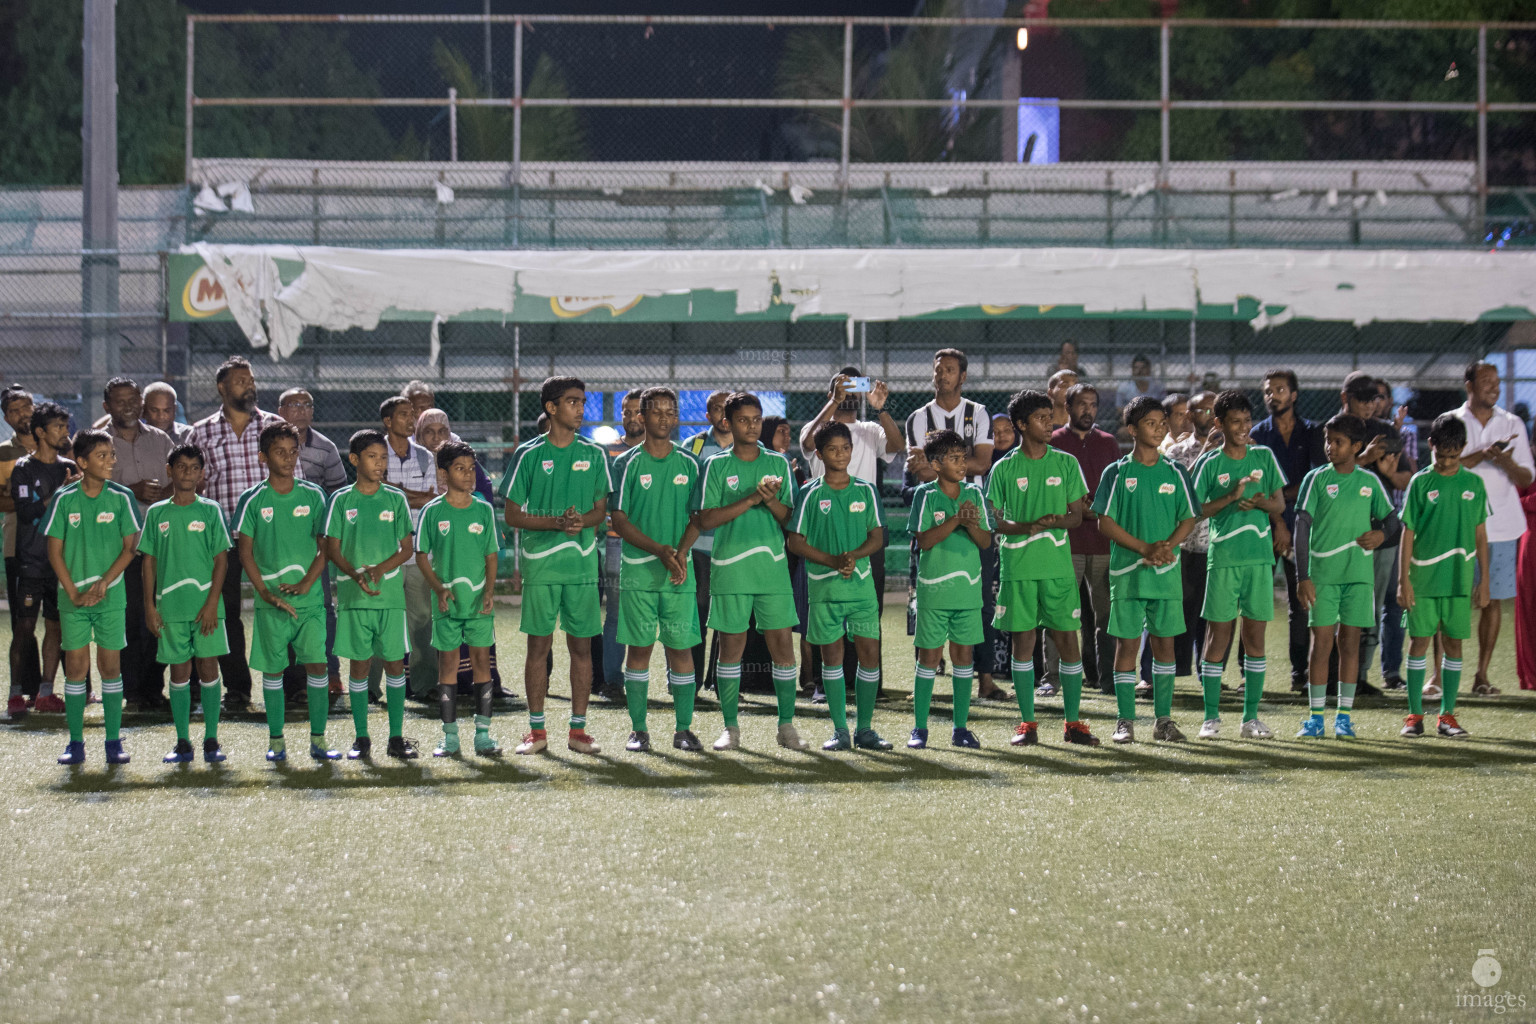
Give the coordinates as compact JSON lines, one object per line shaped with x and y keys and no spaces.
{"x":99,"y":262}
{"x":1482,"y":132}
{"x":1165,"y":33}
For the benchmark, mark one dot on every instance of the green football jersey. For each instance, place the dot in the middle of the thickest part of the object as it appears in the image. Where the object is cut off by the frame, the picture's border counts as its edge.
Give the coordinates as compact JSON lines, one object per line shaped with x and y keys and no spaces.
{"x":1023,"y":490}
{"x":837,"y":521}
{"x":92,"y":530}
{"x":949,"y":573}
{"x":457,"y":540}
{"x":283,"y":528}
{"x":184,"y":540}
{"x":656,"y":496}
{"x":545,"y":481}
{"x":1149,"y":503}
{"x":1238,"y":537}
{"x":370,"y":528}
{"x":748,"y":554}
{"x":1444,"y":513}
{"x":1342,"y":506}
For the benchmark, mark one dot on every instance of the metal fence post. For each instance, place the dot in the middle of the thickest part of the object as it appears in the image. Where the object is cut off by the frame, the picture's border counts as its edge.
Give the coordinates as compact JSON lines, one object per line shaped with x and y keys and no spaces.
{"x":99,"y":264}
{"x":1165,"y":33}
{"x":191,"y":36}
{"x":490,"y":89}
{"x":453,"y":125}
{"x":847,"y":97}
{"x":1482,"y":132}
{"x":517,"y":103}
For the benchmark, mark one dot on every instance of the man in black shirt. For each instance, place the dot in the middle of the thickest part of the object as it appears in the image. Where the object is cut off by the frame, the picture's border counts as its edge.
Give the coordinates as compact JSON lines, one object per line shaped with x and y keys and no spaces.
{"x":33,"y":482}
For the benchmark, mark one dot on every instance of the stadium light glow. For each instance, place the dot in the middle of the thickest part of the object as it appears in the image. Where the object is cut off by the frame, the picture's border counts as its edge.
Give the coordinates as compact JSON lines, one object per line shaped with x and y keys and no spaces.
{"x":1022,"y":39}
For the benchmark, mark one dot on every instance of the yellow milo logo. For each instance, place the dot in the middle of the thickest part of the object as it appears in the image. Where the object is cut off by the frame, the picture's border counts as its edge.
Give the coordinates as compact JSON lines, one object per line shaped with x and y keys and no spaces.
{"x":203,"y":296}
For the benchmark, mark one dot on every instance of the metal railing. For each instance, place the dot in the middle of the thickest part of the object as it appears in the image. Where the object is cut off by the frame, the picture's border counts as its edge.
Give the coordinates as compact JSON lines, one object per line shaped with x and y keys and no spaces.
{"x":1165,"y":103}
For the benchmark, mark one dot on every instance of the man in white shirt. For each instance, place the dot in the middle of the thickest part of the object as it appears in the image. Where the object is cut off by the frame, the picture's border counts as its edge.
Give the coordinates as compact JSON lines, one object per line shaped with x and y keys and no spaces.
{"x":872,"y":439}
{"x":1499,"y":451}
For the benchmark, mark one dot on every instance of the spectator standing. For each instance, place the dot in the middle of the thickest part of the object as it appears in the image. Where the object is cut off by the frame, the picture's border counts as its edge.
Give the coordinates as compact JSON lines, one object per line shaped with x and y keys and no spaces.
{"x":1139,"y":384}
{"x":1060,"y":383}
{"x":413,"y":470}
{"x":142,"y":453}
{"x":319,"y":463}
{"x":712,"y":439}
{"x":433,"y":430}
{"x":608,"y":653}
{"x":1004,"y":437}
{"x":949,"y":410}
{"x":1094,"y":450}
{"x":1525,"y":597}
{"x":16,"y":407}
{"x":1499,"y":451}
{"x":231,"y":444}
{"x":1381,"y":455}
{"x":1392,"y":633}
{"x":1204,"y":435}
{"x":422,"y":396}
{"x":160,"y":411}
{"x":1298,"y":447}
{"x":1066,"y":358}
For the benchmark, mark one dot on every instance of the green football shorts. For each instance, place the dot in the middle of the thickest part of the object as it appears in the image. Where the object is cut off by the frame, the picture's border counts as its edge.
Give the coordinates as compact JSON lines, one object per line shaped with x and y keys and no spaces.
{"x":1348,"y":604}
{"x":1024,"y":605}
{"x":955,"y":625}
{"x":78,"y":627}
{"x":671,"y":615}
{"x":827,"y":621}
{"x":449,"y":633}
{"x":1451,"y":615}
{"x":1130,"y":616}
{"x":574,"y":607}
{"x":273,"y":632}
{"x":731,"y":613}
{"x":364,"y":633}
{"x":182,"y":641}
{"x":1233,"y":590}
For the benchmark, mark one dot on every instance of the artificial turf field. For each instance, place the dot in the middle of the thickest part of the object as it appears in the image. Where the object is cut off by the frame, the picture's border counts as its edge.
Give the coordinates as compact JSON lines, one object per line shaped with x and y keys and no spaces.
{"x":1229,"y":881}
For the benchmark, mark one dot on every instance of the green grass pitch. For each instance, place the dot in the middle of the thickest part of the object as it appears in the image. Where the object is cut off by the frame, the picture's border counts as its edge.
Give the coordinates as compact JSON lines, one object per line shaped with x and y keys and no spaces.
{"x":1235,"y":881}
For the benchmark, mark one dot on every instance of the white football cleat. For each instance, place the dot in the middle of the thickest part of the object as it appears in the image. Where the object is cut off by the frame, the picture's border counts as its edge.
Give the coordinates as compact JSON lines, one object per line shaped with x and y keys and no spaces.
{"x":789,"y":738}
{"x":730,"y":739}
{"x":1255,"y":730}
{"x":1210,"y":729}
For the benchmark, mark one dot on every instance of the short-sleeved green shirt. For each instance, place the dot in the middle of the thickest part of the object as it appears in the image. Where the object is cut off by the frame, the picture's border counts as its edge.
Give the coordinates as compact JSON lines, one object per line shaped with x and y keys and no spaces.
{"x":837,"y":520}
{"x":92,"y":530}
{"x":656,"y":496}
{"x":1023,"y":490}
{"x":1238,"y":537}
{"x":1444,"y":513}
{"x":545,"y":480}
{"x":1149,"y":503}
{"x":184,"y":540}
{"x":283,"y":528}
{"x":458,"y":540}
{"x":370,"y":528}
{"x":748,"y":553}
{"x":1342,"y":506}
{"x":949,"y":573}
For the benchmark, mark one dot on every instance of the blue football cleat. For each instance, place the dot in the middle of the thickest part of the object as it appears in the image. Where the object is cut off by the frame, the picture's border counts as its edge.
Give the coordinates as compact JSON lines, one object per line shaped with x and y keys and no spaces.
{"x":182,"y":754}
{"x":211,"y":752}
{"x":1342,"y":729}
{"x":115,"y":752}
{"x":965,"y":738}
{"x":1312,"y":727}
{"x":320,"y":753}
{"x":840,"y":740}
{"x":918,"y":740}
{"x":868,"y":739}
{"x":277,"y":755}
{"x":73,"y":754}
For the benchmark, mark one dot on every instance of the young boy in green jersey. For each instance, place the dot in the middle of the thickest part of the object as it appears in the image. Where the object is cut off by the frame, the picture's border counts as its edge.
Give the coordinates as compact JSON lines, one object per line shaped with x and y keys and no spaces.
{"x":950,"y":523}
{"x":556,"y":490}
{"x":653,"y":506}
{"x":280,"y":523}
{"x":1238,"y":487}
{"x":1444,"y":531}
{"x":93,"y":531}
{"x":1342,"y":515}
{"x":1146,"y":507}
{"x":837,"y":526}
{"x":1037,"y":494}
{"x":456,"y":550}
{"x":746,"y":503}
{"x":368,"y":537}
{"x":186,"y":553}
